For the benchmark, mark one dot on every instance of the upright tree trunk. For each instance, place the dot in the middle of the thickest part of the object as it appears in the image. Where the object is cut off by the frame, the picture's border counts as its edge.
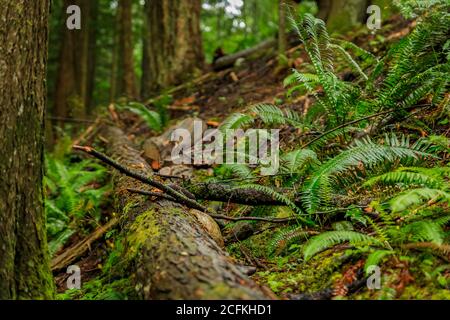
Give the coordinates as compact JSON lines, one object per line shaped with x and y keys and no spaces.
{"x":127,"y":75}
{"x":324,"y":9}
{"x":65,"y":78}
{"x":24,"y":263}
{"x":74,"y":82}
{"x":173,"y":43}
{"x":282,"y":40}
{"x":92,"y":56}
{"x":345,"y":15}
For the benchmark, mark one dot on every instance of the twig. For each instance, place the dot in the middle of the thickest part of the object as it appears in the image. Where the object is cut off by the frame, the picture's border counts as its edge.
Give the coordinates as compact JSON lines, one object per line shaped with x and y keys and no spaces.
{"x":133,"y":174}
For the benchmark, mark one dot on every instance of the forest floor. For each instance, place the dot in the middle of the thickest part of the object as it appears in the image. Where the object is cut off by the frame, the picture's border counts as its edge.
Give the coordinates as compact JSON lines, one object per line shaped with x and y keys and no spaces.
{"x":212,"y":98}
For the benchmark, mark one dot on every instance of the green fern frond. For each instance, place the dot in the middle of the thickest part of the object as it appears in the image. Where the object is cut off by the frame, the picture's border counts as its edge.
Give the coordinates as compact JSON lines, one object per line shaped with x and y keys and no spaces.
{"x":404,"y":178}
{"x":375,"y":258}
{"x":423,"y":231}
{"x":236,"y":121}
{"x":273,"y":115}
{"x":240,"y":171}
{"x":298,"y":161}
{"x":276,"y":195}
{"x":417,"y":197}
{"x":329,"y":239}
{"x":151,"y":118}
{"x":348,"y":58}
{"x":285,"y":237}
{"x":332,"y":135}
{"x":318,"y":190}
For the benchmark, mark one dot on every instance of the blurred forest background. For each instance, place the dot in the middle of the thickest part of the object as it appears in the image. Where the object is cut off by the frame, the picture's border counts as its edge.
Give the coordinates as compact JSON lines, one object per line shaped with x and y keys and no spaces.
{"x":133,"y":49}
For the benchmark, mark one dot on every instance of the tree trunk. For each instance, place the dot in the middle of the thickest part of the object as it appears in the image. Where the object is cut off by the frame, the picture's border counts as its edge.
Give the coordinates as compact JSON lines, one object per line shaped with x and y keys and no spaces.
{"x":172,"y":43}
{"x":127,"y":76}
{"x":172,"y":255}
{"x":65,"y":79}
{"x":76,"y":66}
{"x":345,"y":15}
{"x":282,"y":39}
{"x":24,"y":263}
{"x":92,"y":56}
{"x":324,"y":9}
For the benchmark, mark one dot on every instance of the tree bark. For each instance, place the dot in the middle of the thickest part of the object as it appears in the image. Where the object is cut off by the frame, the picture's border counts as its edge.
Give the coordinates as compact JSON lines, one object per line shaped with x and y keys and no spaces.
{"x":345,"y":15}
{"x":172,"y":44}
{"x":324,"y":9}
{"x":127,"y":76}
{"x":173,"y":257}
{"x":74,"y":83}
{"x":282,"y":38}
{"x":65,"y":79}
{"x":24,"y":261}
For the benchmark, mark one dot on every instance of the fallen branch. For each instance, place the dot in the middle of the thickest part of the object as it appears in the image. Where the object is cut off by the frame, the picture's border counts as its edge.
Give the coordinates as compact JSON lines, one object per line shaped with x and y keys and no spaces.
{"x":72,"y":253}
{"x":215,"y":216}
{"x":133,"y":174}
{"x":229,"y":60}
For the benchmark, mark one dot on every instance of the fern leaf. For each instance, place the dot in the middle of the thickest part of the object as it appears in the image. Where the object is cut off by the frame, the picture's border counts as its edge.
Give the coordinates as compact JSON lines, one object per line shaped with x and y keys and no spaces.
{"x":299,"y":160}
{"x":375,"y":258}
{"x":416,"y":197}
{"x":236,"y":121}
{"x":329,"y":239}
{"x":151,"y":118}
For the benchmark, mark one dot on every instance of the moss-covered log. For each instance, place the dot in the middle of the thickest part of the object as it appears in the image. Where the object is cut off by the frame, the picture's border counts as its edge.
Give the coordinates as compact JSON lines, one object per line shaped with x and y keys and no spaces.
{"x":173,"y":257}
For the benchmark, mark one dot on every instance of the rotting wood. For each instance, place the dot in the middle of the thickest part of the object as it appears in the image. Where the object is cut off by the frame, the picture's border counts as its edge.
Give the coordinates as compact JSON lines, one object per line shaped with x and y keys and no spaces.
{"x":173,"y":256}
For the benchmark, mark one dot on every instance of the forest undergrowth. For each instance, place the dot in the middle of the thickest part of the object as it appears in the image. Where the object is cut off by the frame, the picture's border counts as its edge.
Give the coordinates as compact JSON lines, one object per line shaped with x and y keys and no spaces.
{"x":364,"y":171}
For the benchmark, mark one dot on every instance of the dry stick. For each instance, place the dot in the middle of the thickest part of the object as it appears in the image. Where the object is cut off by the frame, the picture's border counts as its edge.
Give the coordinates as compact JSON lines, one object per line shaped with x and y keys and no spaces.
{"x":177,"y":195}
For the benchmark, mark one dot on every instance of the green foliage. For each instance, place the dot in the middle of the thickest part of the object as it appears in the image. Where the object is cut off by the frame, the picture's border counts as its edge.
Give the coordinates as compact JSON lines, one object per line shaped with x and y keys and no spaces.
{"x":434,"y":177}
{"x":236,"y":121}
{"x":376,"y":257}
{"x":273,"y":115}
{"x":331,"y":238}
{"x":416,"y":197}
{"x":152,"y":118}
{"x":415,"y":68}
{"x":414,"y":8}
{"x":270,"y":115}
{"x":298,"y":161}
{"x":72,"y":194}
{"x":283,"y":238}
{"x":276,"y":195}
{"x":318,"y":189}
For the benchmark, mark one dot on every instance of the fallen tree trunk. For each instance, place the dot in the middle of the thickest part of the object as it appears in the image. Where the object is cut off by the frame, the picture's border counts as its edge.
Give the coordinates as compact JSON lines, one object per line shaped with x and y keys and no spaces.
{"x":172,"y":255}
{"x":229,"y":193}
{"x":229,"y":60}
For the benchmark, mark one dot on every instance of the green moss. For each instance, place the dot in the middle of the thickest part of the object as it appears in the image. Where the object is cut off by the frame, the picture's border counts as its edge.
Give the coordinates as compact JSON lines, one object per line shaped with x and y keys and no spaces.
{"x":296,"y":276}
{"x":102,"y":289}
{"x":143,"y":229}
